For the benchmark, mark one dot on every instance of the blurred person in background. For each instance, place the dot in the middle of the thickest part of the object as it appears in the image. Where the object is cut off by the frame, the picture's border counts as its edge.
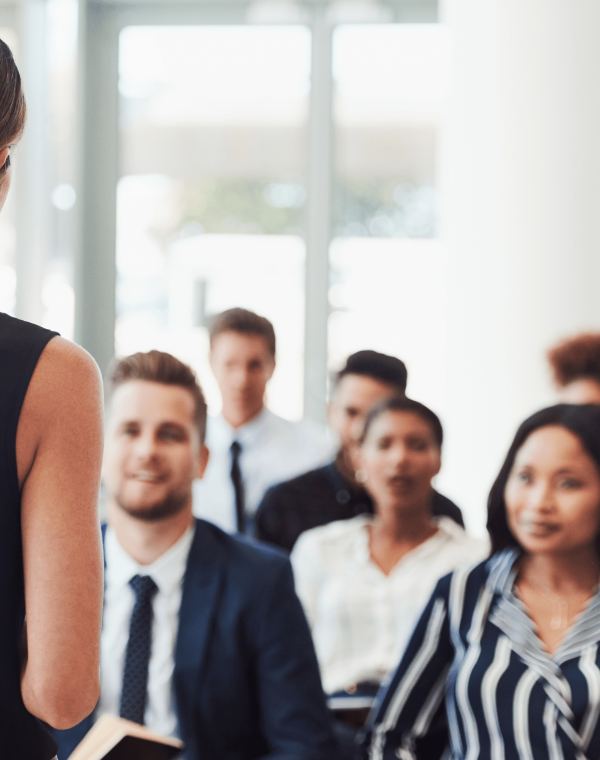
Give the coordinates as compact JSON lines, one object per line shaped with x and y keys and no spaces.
{"x":364,"y":581}
{"x":575,"y":364}
{"x":203,"y":636}
{"x":251,"y":447}
{"x":333,"y":492}
{"x":505,"y":661}
{"x":50,"y":553}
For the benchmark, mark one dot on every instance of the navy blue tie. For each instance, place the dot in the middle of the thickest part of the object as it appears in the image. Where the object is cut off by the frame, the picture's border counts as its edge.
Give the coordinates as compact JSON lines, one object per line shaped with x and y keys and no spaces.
{"x":238,"y":485}
{"x":134,"y":692}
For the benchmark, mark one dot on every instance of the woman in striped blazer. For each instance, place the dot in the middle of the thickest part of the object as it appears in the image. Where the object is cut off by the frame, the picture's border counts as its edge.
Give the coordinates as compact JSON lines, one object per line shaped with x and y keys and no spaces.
{"x":504,"y":663}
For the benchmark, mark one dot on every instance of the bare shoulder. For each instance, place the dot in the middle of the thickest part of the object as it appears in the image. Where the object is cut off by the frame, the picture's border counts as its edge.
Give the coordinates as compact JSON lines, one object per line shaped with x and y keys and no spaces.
{"x":63,"y":362}
{"x":66,"y":388}
{"x":65,"y":377}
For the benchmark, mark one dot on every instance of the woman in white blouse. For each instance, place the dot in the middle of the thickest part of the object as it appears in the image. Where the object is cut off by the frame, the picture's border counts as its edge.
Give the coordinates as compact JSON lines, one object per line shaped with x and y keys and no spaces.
{"x":364,"y":582}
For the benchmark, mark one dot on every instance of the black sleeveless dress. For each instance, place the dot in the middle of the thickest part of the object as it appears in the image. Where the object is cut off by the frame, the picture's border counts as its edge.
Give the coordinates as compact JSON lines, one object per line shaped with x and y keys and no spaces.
{"x":22,"y":737}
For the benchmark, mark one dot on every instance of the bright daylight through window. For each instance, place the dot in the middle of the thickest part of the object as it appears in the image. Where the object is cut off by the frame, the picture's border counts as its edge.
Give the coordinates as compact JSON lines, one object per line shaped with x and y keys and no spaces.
{"x":210,"y":204}
{"x":390,"y":87}
{"x":213,"y":188}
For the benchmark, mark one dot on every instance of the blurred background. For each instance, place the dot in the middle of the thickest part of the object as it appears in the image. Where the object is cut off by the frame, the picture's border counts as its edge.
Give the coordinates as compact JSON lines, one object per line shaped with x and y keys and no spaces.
{"x":417,"y":177}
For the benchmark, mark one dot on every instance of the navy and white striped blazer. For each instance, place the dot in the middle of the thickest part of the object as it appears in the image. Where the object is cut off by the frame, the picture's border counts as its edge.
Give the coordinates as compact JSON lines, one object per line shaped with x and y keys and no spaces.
{"x":476,"y":674}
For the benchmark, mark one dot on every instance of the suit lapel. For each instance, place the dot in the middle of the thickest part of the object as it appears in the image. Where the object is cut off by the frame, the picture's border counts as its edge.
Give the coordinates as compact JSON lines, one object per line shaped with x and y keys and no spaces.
{"x":201,"y":586}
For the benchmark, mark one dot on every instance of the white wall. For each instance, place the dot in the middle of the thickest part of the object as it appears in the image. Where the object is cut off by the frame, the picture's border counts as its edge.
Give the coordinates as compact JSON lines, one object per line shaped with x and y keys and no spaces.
{"x":520,"y":196}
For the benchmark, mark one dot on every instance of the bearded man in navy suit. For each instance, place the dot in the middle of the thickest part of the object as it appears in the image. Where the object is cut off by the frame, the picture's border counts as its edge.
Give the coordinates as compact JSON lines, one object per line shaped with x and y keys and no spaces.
{"x":203,"y":636}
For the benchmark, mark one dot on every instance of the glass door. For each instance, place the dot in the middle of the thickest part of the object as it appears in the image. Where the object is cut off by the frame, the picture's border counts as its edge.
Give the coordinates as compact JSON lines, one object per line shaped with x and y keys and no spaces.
{"x":213,"y":124}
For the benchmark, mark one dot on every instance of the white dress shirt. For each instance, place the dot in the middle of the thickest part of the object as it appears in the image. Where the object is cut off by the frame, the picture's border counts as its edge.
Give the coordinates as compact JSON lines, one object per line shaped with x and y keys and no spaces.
{"x":361,"y":619}
{"x":273,"y":450}
{"x":167,"y":572}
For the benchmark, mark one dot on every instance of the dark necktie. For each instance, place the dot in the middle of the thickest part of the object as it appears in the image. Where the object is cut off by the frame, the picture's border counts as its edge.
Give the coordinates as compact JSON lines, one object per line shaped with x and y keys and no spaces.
{"x":238,"y":486}
{"x":134,"y":691}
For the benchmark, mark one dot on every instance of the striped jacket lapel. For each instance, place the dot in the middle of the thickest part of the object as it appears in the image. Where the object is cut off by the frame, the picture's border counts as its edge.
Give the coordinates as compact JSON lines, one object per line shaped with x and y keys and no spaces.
{"x":510,"y":616}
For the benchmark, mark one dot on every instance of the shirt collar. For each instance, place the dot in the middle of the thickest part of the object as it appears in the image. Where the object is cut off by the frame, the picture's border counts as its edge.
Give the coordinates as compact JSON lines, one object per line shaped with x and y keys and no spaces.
{"x":167,"y":571}
{"x":335,"y":477}
{"x":248,"y":434}
{"x":447,"y":529}
{"x":512,"y":617}
{"x":503,"y":570}
{"x":341,"y":483}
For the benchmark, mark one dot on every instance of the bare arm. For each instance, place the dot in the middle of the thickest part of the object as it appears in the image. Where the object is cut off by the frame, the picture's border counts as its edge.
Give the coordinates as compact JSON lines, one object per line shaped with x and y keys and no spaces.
{"x":59,"y":451}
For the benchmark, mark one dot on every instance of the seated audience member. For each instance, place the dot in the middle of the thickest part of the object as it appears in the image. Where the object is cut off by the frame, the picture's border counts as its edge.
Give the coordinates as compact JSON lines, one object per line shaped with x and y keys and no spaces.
{"x":365,"y":581}
{"x":505,"y":660}
{"x":203,"y":636}
{"x":250,"y":447}
{"x":332,"y":492}
{"x":575,"y":364}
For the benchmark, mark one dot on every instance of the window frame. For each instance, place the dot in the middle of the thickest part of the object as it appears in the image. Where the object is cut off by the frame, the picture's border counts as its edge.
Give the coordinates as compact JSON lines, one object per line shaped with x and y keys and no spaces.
{"x":100,"y":24}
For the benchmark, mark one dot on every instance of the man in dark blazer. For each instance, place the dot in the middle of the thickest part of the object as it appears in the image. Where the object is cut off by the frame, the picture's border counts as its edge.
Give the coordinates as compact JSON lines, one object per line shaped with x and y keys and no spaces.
{"x":203,"y":636}
{"x":333,"y":492}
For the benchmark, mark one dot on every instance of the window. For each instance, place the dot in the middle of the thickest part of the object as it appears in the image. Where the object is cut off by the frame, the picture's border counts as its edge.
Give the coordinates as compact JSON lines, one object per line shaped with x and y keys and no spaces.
{"x":210,"y":201}
{"x":214,"y":157}
{"x":389,"y":90}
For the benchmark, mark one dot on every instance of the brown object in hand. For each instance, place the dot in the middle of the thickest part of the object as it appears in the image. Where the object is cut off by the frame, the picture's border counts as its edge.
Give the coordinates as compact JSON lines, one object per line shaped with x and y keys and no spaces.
{"x":119,"y":739}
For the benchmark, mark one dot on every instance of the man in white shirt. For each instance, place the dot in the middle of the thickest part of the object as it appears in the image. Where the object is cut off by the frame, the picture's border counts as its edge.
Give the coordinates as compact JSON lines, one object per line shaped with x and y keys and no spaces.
{"x":251,"y":448}
{"x":203,"y":636}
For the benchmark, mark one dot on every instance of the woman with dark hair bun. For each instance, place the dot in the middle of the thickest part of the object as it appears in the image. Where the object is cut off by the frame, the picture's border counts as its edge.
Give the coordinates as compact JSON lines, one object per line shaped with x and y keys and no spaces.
{"x":505,"y":661}
{"x":50,"y":553}
{"x":365,"y":581}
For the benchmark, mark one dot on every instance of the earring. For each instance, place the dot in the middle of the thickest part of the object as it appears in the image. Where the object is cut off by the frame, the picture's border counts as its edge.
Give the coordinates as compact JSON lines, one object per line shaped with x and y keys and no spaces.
{"x":360,"y":476}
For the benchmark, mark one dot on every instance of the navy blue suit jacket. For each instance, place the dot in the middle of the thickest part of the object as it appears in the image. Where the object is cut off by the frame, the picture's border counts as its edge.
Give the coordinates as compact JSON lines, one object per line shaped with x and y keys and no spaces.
{"x":246,"y":679}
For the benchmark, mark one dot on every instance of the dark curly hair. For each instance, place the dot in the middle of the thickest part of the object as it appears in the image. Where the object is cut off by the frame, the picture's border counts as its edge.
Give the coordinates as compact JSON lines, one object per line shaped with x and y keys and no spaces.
{"x":583,"y":420}
{"x":576,"y":358}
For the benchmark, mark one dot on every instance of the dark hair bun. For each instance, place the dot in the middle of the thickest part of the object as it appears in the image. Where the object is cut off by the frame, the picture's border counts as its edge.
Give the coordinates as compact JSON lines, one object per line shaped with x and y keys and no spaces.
{"x":13,"y":111}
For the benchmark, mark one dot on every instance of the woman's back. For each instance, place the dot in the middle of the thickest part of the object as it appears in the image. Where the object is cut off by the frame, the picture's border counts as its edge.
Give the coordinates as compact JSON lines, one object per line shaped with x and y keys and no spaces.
{"x":21,"y":735}
{"x":50,"y":552}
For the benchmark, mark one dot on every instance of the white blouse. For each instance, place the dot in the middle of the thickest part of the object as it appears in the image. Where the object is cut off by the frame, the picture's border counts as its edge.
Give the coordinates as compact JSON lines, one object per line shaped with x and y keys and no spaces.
{"x":361,"y":619}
